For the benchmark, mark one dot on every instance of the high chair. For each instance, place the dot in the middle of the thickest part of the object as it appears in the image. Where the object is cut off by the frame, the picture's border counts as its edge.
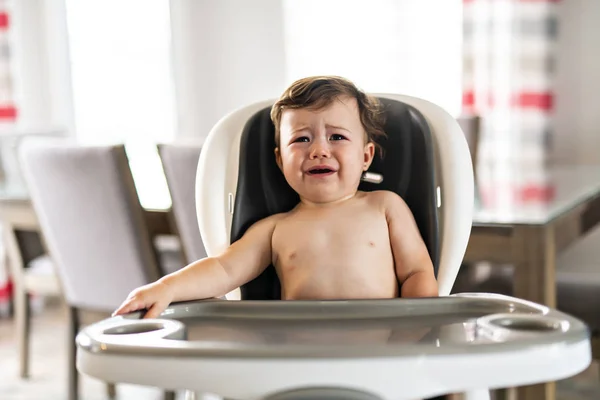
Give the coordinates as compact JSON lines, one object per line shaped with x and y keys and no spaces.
{"x":352,"y":349}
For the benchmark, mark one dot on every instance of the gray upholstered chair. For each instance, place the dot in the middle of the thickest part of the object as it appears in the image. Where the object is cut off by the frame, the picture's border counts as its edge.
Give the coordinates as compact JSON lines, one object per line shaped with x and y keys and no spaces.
{"x":180,"y":162}
{"x":93,"y":226}
{"x":471,"y":127}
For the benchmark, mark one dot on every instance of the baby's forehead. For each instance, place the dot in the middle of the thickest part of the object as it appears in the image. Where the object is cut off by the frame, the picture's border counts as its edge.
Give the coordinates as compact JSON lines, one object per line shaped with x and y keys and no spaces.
{"x":338,"y":111}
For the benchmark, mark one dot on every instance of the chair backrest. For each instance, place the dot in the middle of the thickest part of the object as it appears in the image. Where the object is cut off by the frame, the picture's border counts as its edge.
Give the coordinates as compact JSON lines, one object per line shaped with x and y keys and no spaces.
{"x":471,"y":126}
{"x":219,"y":186}
{"x":407,"y":169}
{"x":180,"y":162}
{"x":91,"y":220}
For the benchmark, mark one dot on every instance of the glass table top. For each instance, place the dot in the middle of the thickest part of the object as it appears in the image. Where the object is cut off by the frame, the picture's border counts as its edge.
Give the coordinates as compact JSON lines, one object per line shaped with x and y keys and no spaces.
{"x":13,"y":192}
{"x":531,"y":196}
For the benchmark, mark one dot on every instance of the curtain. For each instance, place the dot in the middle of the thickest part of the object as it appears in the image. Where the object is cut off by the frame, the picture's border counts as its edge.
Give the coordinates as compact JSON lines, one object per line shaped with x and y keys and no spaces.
{"x":8,"y":115}
{"x":509,"y":58}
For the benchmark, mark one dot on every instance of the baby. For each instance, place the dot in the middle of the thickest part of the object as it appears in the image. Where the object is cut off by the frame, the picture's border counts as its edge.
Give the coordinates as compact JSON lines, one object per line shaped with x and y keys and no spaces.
{"x":338,"y":242}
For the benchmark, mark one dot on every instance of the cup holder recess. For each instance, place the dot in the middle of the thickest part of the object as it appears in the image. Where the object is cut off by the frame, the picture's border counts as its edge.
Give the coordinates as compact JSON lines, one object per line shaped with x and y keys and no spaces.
{"x":133,"y":327}
{"x":526,"y":322}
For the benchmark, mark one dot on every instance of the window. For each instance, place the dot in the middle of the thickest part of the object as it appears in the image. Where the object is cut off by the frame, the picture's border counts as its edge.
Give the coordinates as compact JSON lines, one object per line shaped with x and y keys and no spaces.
{"x":411,"y":47}
{"x":122,"y":83}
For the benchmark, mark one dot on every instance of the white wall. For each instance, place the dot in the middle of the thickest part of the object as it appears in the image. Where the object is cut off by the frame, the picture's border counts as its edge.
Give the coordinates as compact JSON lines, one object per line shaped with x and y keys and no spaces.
{"x":32,"y":89}
{"x":227,"y":53}
{"x":40,"y":65}
{"x":411,"y":47}
{"x":577,"y":118}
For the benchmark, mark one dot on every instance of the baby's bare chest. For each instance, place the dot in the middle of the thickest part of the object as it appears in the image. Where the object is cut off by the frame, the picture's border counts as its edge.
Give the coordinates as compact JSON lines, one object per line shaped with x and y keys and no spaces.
{"x":342,"y":238}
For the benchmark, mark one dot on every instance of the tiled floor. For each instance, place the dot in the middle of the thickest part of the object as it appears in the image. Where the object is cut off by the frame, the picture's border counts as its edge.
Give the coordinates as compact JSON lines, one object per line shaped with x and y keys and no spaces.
{"x":48,"y":368}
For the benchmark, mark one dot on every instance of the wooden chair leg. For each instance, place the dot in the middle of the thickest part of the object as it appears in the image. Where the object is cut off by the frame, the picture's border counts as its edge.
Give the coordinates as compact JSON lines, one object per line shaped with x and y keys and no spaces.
{"x":595,"y":340}
{"x":73,"y":376}
{"x":21,"y":309}
{"x":169,"y":395}
{"x":111,"y":391}
{"x":23,"y":320}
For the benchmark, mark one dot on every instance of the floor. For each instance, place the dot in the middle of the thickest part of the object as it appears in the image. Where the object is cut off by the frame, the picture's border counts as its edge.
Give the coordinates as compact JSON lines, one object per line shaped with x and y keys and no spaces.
{"x":48,"y":368}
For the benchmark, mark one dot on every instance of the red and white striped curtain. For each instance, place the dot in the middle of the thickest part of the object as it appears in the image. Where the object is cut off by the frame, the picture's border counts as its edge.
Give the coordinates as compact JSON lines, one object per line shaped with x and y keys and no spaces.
{"x":8,"y":110}
{"x":508,"y":73}
{"x":8,"y":115}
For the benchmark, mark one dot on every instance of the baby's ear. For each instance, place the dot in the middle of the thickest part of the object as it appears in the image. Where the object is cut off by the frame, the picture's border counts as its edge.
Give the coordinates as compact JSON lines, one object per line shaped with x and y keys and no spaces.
{"x":278,"y":158}
{"x":369,"y":152}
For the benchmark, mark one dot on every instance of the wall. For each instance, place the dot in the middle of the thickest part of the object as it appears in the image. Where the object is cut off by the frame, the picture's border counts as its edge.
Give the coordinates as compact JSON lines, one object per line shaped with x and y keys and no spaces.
{"x":227,"y":53}
{"x":391,"y":46}
{"x":32,"y":91}
{"x":577,"y":117}
{"x":42,"y":80}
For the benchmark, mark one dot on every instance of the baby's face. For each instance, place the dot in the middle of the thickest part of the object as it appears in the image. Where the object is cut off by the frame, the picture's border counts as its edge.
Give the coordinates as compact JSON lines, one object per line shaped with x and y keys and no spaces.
{"x":323,"y":153}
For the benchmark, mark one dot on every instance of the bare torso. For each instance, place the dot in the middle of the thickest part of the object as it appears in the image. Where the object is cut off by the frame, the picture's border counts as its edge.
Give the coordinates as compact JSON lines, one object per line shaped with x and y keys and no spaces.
{"x":339,"y":252}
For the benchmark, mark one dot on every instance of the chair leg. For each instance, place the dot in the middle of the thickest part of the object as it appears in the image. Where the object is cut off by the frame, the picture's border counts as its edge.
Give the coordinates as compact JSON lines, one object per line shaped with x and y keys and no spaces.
{"x":111,"y":391}
{"x":169,"y":395}
{"x":505,"y":394}
{"x":23,"y":320}
{"x":73,"y":376}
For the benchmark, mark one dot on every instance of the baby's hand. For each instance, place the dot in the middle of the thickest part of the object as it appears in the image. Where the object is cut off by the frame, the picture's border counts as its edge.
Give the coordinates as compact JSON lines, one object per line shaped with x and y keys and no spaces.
{"x":155,"y":297}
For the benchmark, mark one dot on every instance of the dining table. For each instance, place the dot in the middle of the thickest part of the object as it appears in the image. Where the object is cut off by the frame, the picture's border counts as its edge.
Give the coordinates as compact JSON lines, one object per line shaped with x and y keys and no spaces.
{"x":526,"y":219}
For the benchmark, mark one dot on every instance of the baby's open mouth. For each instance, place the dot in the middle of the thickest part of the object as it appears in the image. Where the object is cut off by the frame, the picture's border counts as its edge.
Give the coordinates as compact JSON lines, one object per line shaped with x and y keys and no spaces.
{"x":320,"y":171}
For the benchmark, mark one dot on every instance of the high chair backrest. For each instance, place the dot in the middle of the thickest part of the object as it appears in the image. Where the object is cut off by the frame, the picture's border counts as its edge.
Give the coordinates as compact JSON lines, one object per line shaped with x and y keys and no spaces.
{"x":407,"y":170}
{"x":426,"y":161}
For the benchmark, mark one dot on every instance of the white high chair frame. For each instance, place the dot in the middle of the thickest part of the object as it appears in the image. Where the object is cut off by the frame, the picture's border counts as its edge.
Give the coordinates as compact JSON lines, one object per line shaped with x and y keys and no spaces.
{"x":216,"y":181}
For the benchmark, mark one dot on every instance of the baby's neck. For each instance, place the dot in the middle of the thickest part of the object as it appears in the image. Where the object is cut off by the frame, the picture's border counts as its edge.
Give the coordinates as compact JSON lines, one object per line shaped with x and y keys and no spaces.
{"x":306,"y":203}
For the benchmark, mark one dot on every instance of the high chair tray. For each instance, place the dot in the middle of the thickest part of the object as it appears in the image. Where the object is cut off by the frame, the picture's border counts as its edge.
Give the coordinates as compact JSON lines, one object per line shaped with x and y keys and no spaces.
{"x":251,"y":349}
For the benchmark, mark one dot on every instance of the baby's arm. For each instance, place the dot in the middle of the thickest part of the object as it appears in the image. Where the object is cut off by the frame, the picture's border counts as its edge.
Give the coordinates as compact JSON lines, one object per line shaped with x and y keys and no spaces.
{"x":414,"y":268}
{"x":209,"y":277}
{"x":241,"y":262}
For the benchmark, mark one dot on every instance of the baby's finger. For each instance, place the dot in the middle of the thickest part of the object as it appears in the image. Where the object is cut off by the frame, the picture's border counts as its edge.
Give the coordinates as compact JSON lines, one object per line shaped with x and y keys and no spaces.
{"x":154,"y":311}
{"x":128,"y":307}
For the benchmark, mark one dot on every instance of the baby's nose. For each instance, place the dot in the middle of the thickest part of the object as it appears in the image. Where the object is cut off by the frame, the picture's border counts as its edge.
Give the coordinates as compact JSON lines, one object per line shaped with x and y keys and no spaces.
{"x":319,"y":149}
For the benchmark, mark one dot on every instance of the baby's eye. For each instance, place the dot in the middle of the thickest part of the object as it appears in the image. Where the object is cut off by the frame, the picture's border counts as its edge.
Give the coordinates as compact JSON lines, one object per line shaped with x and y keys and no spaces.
{"x":300,"y":139}
{"x":337,"y":136}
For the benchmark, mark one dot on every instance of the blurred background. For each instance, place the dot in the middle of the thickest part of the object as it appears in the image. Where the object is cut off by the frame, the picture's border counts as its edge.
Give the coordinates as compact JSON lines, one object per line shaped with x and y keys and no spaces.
{"x":522,"y":76}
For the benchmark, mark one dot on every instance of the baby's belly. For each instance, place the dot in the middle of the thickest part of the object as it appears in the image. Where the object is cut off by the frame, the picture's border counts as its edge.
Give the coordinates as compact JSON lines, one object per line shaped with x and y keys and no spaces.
{"x":353,"y":279}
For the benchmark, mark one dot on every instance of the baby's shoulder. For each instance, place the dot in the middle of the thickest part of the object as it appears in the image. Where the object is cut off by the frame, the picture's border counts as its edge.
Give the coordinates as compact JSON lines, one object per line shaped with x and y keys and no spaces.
{"x":389,"y":203}
{"x":279,"y":218}
{"x":275,"y":218}
{"x":268,"y":223}
{"x":383,"y":198}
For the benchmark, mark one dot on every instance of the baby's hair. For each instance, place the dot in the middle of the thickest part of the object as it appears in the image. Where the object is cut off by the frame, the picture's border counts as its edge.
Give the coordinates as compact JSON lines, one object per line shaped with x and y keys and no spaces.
{"x":317,"y":92}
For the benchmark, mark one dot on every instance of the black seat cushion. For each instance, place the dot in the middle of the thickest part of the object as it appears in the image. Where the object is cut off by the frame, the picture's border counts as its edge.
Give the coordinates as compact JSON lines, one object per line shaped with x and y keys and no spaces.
{"x":407,"y":168}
